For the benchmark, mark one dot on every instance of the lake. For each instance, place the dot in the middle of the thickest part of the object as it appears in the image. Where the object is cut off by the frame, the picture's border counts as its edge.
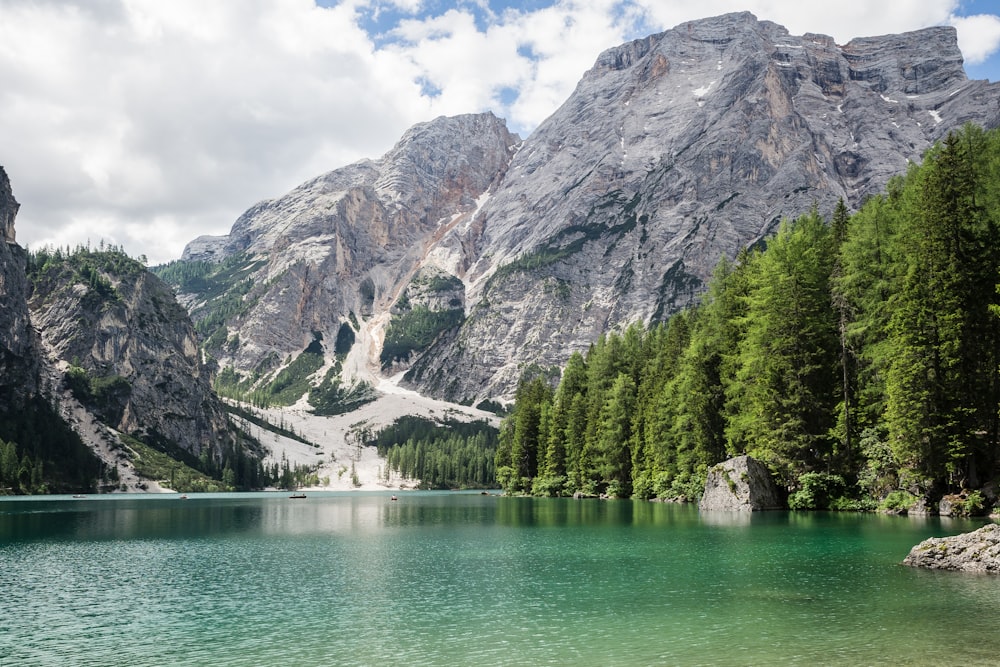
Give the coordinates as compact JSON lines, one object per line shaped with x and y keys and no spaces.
{"x":466,"y":579}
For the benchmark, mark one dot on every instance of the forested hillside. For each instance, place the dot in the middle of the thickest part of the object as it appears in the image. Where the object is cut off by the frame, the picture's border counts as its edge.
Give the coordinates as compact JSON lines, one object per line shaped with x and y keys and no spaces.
{"x":858,"y":357}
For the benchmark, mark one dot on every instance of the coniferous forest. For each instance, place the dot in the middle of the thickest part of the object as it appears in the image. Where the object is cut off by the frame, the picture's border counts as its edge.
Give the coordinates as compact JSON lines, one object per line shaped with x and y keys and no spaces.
{"x":857,"y":357}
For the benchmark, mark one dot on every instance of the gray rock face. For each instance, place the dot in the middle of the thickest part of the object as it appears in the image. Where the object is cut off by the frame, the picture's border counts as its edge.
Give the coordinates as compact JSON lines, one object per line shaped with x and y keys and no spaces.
{"x":19,"y":355}
{"x":978,"y":551}
{"x":673,"y":151}
{"x":139,"y":333}
{"x":741,"y":484}
{"x":349,"y":241}
{"x":206,"y":249}
{"x":8,"y":209}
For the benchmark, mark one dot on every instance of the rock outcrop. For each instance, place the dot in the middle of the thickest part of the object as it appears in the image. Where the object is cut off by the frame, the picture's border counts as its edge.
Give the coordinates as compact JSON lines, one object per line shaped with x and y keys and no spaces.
{"x":18,"y":343}
{"x":343,"y":247}
{"x":103,"y":317}
{"x":673,"y":151}
{"x":741,"y":484}
{"x":978,"y":551}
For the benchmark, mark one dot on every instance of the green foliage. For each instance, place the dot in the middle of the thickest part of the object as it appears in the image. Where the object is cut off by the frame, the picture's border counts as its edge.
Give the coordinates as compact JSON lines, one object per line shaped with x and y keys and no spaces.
{"x":85,"y":262}
{"x":186,"y":276}
{"x":259,"y":389}
{"x":445,"y":455}
{"x":438,"y":281}
{"x":817,"y":491}
{"x":285,"y":388}
{"x":331,"y":398}
{"x":344,"y":342}
{"x":50,"y":457}
{"x":223,"y":291}
{"x":974,"y":504}
{"x":495,"y":407}
{"x":968,"y":504}
{"x":106,"y":396}
{"x":548,"y":485}
{"x":96,"y":269}
{"x":611,"y":218}
{"x":292,"y":381}
{"x":523,"y":434}
{"x":158,"y":466}
{"x":19,"y":475}
{"x":253,"y":418}
{"x":868,"y":348}
{"x":781,"y":399}
{"x":415,"y":330}
{"x":898,"y":501}
{"x":285,"y":476}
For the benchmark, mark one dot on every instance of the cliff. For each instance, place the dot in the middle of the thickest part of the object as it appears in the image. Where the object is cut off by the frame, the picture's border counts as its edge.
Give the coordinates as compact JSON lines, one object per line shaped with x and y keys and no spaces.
{"x":673,"y":151}
{"x":128,"y":350}
{"x":18,"y":345}
{"x":341,"y":249}
{"x":676,"y":150}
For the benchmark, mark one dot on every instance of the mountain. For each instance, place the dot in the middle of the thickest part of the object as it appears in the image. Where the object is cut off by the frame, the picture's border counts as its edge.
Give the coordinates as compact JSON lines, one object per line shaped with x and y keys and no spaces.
{"x":38,"y":450}
{"x":129,"y":351}
{"x":18,"y":343}
{"x":101,"y":375}
{"x":328,"y":261}
{"x":673,"y":151}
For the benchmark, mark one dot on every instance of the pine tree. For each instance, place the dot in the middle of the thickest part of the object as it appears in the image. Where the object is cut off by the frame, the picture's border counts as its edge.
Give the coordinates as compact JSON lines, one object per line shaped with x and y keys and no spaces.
{"x":613,"y":434}
{"x":784,"y":387}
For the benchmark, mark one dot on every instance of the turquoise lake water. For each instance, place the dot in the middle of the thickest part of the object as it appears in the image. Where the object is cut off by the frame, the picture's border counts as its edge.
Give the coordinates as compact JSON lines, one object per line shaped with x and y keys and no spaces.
{"x":465,"y":579}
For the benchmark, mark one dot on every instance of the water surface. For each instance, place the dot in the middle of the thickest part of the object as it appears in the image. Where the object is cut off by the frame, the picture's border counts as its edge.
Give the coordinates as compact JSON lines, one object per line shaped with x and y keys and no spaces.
{"x":464,"y":579}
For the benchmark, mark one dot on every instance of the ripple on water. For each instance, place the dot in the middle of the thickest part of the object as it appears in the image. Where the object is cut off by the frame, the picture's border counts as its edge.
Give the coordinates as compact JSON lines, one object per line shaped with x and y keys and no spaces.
{"x":470,"y":580}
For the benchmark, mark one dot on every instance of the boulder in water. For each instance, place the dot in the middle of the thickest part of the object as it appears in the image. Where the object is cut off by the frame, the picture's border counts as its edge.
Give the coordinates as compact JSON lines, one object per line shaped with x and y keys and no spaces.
{"x":740,"y":484}
{"x":978,"y":551}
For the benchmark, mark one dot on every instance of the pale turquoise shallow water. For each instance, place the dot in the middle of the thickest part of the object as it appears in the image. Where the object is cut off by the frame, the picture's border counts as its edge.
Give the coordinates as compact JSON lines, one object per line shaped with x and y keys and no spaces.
{"x":465,"y":579}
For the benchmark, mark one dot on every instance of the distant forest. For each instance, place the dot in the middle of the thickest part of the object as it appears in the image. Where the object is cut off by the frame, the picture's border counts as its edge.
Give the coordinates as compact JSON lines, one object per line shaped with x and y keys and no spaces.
{"x":857,"y":357}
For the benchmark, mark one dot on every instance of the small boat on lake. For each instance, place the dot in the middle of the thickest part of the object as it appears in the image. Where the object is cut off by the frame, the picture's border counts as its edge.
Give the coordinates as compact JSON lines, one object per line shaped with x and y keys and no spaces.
{"x":297,"y":496}
{"x":393,"y":498}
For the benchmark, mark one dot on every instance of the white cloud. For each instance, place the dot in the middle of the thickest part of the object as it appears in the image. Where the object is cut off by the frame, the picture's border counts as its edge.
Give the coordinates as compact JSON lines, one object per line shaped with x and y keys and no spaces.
{"x":179,"y":115}
{"x":978,"y":36}
{"x":148,"y":123}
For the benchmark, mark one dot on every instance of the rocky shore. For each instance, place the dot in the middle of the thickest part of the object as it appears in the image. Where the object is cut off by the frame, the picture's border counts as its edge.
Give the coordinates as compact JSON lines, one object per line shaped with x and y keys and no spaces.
{"x":978,"y":551}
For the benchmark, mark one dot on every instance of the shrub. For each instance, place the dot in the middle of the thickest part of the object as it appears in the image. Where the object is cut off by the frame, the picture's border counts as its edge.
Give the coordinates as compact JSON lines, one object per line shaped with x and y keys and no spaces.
{"x":898,"y":501}
{"x":818,"y":490}
{"x":642,"y":487}
{"x":548,"y":485}
{"x":967,"y":504}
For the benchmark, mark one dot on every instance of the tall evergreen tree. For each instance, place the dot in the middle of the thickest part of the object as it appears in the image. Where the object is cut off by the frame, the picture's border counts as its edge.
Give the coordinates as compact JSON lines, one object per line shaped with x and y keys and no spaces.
{"x":785,"y":388}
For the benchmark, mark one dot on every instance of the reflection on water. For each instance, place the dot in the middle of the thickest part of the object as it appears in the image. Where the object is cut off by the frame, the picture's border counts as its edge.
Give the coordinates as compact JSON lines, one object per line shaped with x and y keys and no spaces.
{"x":728,"y":519}
{"x":440,"y":578}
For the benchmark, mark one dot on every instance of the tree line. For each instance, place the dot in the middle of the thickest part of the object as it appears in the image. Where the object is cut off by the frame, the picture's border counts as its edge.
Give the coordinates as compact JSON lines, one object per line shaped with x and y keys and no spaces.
{"x":860,"y":353}
{"x":442,"y":456}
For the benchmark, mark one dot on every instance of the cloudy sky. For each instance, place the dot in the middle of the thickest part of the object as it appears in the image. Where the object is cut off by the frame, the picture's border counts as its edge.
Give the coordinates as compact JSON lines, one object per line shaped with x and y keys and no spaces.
{"x":146,"y":123}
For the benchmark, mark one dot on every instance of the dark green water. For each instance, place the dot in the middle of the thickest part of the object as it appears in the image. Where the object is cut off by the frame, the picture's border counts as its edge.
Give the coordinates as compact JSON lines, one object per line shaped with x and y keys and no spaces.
{"x":463,"y":579}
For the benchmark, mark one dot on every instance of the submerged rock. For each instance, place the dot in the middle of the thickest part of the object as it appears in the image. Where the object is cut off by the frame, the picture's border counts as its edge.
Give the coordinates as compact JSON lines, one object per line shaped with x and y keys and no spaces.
{"x":978,"y":551}
{"x":742,"y":484}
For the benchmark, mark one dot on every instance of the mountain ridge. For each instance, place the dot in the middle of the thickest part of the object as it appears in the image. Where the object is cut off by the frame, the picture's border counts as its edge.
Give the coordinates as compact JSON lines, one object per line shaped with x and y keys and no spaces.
{"x":673,"y":150}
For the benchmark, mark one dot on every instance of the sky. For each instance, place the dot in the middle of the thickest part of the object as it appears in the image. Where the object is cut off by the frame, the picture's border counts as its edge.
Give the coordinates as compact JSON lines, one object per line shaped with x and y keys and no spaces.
{"x":146,"y":123}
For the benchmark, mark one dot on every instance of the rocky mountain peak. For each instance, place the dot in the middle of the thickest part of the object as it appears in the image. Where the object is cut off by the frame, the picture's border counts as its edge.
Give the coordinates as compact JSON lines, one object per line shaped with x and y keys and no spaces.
{"x":18,"y":344}
{"x":673,"y":151}
{"x":8,"y":208}
{"x":344,"y":246}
